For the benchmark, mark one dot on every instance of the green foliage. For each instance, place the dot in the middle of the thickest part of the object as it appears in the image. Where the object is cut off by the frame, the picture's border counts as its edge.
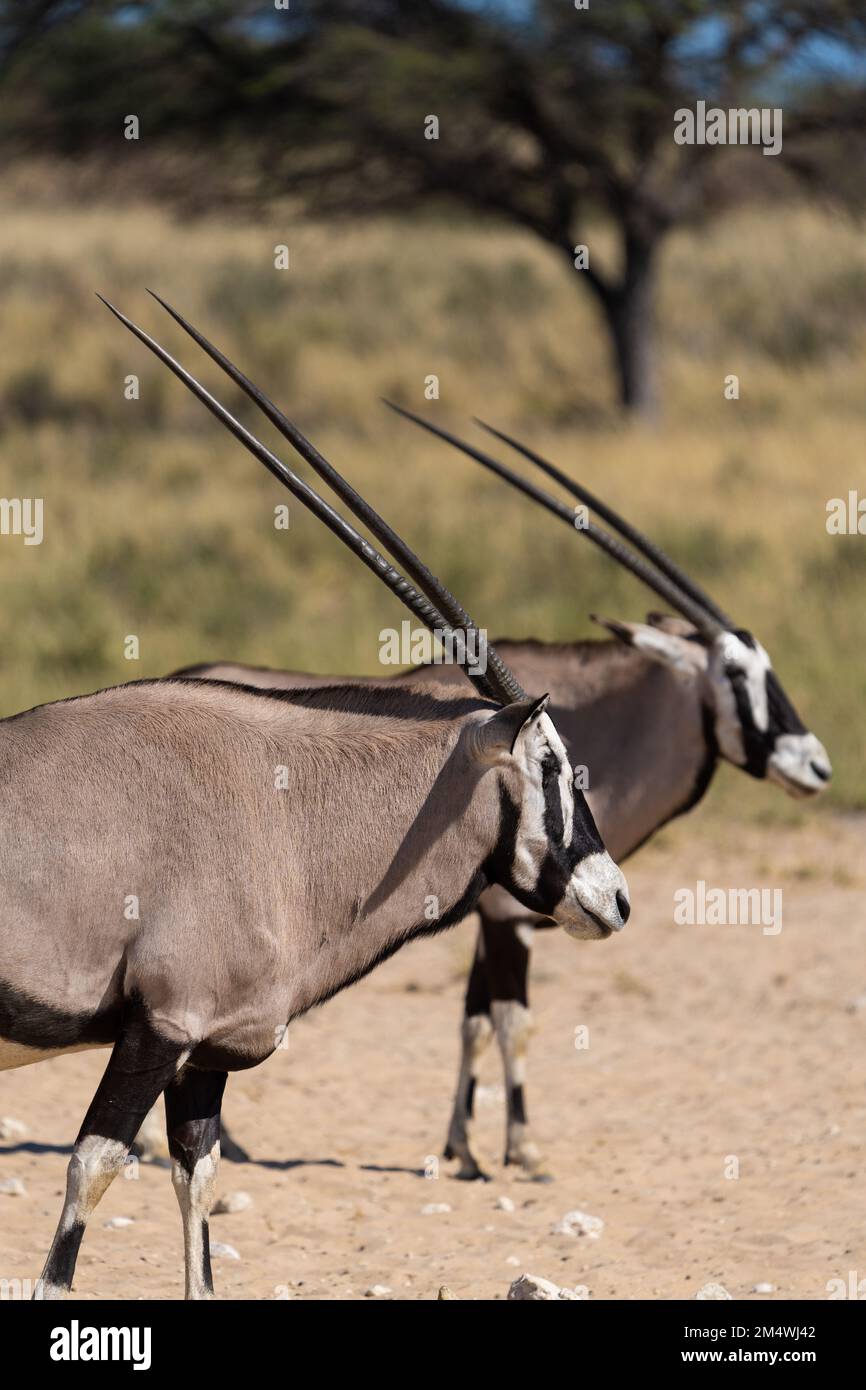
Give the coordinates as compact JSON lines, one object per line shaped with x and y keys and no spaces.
{"x":157,"y":524}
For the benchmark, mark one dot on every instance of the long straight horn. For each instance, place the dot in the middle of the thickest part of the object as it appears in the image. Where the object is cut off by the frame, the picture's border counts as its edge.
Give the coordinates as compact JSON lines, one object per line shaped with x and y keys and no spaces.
{"x":456,"y":616}
{"x":659,"y":583}
{"x":421,"y":607}
{"x":640,"y":542}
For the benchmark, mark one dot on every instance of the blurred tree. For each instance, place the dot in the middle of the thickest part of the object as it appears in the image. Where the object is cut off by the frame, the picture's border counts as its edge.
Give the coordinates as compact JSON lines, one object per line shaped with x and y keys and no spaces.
{"x":547,"y":113}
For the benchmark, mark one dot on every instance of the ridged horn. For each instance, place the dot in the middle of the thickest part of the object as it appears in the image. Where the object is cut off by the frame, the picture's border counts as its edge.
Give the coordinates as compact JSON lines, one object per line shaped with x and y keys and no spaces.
{"x":503,"y":685}
{"x":641,"y":543}
{"x":659,"y":583}
{"x":489,"y":685}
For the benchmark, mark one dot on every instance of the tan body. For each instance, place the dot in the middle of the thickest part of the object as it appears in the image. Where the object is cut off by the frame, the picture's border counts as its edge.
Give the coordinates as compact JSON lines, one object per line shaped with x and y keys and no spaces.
{"x":649,"y":716}
{"x":147,"y":848}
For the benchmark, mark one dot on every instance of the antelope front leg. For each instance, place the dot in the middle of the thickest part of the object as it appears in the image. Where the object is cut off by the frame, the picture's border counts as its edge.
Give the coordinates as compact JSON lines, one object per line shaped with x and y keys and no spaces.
{"x":476,"y":1032}
{"x":142,"y":1063}
{"x":192,"y":1110}
{"x":507,"y":946}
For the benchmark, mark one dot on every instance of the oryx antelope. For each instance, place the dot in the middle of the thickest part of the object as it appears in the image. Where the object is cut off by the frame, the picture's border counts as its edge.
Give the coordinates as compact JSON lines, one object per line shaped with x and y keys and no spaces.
{"x":653,"y":711}
{"x":277,"y":846}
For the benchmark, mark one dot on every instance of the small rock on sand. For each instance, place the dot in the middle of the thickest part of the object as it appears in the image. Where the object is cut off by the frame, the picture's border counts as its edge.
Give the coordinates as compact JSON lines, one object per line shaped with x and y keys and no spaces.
{"x":11,"y":1128}
{"x":435,"y":1209}
{"x":117,"y":1223}
{"x":225,"y":1252}
{"x":12,"y":1187}
{"x":532,"y":1288}
{"x":231,"y":1203}
{"x":764,"y":1288}
{"x":504,"y":1204}
{"x":579,"y":1223}
{"x":377,"y":1291}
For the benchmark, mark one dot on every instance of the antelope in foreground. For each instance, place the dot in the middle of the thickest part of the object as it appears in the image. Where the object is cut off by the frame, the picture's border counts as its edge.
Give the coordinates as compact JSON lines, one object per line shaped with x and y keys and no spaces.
{"x":259,"y":897}
{"x":670,"y":698}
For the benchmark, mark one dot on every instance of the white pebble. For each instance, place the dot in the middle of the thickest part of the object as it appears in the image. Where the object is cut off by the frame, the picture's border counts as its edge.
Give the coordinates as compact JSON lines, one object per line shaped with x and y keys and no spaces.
{"x":764,"y":1288}
{"x":377,"y":1291}
{"x":11,"y":1129}
{"x":505,"y":1204}
{"x":435,"y":1209}
{"x":232,"y":1202}
{"x":225,"y":1252}
{"x":117,"y":1223}
{"x":13,"y":1187}
{"x":512,"y":1260}
{"x":532,"y":1288}
{"x":712,"y":1291}
{"x":578,"y":1223}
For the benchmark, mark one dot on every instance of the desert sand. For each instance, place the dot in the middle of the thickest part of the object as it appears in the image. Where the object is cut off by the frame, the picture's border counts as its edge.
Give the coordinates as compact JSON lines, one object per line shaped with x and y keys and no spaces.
{"x":707,"y":1044}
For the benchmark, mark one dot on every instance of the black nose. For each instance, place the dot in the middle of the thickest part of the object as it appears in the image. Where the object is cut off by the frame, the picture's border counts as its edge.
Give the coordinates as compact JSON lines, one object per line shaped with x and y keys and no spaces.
{"x":623,"y":904}
{"x":820,"y":771}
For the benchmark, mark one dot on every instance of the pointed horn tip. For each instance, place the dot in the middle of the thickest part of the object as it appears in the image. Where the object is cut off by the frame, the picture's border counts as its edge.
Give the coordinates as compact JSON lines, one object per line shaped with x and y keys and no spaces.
{"x":112,"y":307}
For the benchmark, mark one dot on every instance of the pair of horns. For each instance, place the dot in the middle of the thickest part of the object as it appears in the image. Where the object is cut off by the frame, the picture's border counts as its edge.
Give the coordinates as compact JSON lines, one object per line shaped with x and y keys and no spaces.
{"x":662,"y":575}
{"x":430,"y":601}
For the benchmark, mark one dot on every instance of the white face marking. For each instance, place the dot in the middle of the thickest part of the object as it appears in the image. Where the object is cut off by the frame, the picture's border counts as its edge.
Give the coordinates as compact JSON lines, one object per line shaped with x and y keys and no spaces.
{"x":793,"y":764}
{"x":532,"y":835}
{"x":596,"y":880}
{"x":593,"y":888}
{"x":729,"y":650}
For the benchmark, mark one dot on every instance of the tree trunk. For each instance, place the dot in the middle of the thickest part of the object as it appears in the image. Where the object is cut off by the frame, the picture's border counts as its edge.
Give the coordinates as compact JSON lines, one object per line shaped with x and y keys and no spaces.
{"x":630,"y":311}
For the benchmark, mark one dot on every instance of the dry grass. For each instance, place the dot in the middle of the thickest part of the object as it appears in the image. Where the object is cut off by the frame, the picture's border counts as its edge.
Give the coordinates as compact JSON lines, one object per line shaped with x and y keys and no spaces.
{"x":157,"y":524}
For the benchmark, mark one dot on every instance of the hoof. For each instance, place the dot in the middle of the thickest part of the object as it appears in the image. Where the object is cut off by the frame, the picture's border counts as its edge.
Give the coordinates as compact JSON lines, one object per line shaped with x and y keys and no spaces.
{"x":472,"y":1173}
{"x":534,"y":1166}
{"x":469,"y":1170}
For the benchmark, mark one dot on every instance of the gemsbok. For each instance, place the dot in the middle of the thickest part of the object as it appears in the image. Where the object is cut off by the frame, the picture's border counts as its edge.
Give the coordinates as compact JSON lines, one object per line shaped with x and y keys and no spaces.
{"x":188,"y":866}
{"x":653,"y":711}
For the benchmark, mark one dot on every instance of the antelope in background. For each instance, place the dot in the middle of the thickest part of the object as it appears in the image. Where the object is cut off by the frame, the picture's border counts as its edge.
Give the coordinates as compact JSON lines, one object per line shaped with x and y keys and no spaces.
{"x":670,"y":697}
{"x":169,"y":794}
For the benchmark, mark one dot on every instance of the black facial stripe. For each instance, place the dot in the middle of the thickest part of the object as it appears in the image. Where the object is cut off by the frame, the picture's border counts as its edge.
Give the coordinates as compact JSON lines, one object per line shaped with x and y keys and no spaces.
{"x":782,"y":718}
{"x":757,"y":744}
{"x":554,"y":824}
{"x":560,"y":859}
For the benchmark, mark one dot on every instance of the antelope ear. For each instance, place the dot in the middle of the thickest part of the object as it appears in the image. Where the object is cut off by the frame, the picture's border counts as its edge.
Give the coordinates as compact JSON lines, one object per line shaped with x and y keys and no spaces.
{"x":659,"y":644}
{"x":501,"y":732}
{"x":678,"y":627}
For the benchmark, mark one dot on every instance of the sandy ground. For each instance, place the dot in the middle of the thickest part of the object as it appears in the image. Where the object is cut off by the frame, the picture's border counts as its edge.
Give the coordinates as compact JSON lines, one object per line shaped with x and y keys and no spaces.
{"x":707,"y":1043}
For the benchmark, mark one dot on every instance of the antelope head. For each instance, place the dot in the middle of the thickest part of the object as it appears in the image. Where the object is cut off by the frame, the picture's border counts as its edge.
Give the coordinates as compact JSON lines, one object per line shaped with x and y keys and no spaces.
{"x":756,"y":726}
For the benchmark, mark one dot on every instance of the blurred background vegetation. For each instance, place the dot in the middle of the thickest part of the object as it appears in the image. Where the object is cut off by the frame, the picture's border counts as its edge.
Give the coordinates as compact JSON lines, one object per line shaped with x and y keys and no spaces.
{"x":409,"y":258}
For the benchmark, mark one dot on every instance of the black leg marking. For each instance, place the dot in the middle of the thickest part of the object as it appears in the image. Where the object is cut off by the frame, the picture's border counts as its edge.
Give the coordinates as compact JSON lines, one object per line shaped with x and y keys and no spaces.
{"x":476,"y":1033}
{"x":192,"y":1110}
{"x":141,"y":1065}
{"x":508,"y":956}
{"x":518,"y":1105}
